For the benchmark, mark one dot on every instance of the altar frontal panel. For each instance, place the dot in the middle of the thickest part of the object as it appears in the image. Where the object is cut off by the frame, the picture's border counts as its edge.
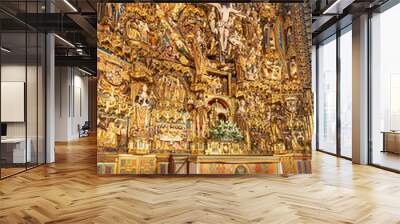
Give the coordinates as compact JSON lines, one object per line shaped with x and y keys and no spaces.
{"x":206,"y":88}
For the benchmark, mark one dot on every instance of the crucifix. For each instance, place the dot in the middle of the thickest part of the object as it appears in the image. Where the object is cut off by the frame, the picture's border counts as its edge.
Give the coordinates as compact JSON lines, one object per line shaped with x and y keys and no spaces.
{"x":223,"y":24}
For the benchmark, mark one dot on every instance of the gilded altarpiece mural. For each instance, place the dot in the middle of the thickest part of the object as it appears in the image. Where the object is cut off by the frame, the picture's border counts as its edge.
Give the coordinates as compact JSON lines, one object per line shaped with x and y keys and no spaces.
{"x":207,"y":88}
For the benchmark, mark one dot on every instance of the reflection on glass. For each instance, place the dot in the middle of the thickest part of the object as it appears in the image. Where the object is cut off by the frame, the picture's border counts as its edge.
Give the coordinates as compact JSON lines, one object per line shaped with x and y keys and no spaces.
{"x":31,"y":97}
{"x":386,"y":89}
{"x":327,"y":96}
{"x":41,"y":99}
{"x":22,"y":90}
{"x":346,"y":94}
{"x":14,"y":153}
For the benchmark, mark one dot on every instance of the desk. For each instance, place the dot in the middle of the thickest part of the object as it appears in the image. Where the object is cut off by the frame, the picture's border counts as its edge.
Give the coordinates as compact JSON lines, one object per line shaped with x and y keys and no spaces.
{"x":391,"y":141}
{"x":13,"y":150}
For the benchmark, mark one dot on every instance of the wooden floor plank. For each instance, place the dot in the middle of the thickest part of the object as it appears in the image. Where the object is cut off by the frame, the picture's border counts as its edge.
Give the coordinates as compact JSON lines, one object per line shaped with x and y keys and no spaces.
{"x":69,"y":191}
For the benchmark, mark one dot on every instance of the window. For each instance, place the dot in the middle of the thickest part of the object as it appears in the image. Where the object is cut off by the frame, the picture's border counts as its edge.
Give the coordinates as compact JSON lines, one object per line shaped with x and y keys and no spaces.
{"x":327,"y":96}
{"x":346,"y":93}
{"x":385,"y":89}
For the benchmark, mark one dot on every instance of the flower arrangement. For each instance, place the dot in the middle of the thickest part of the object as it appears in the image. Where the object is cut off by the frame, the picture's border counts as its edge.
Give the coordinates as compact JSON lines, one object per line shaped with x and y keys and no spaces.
{"x":226,"y":131}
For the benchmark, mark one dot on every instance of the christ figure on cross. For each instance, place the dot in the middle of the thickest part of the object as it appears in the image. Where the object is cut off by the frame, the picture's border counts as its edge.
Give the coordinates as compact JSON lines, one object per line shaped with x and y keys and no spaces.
{"x":223,"y":24}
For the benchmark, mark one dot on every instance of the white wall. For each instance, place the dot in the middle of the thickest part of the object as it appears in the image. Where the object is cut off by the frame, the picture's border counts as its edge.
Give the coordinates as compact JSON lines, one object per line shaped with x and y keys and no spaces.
{"x":80,"y":112}
{"x":71,"y":102}
{"x":62,"y":81}
{"x":16,"y":73}
{"x":12,"y":73}
{"x":33,"y":127}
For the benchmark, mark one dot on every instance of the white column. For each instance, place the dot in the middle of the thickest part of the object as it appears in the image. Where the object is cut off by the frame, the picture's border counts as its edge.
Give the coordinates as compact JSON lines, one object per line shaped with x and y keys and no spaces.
{"x":50,"y":99}
{"x":360,"y":90}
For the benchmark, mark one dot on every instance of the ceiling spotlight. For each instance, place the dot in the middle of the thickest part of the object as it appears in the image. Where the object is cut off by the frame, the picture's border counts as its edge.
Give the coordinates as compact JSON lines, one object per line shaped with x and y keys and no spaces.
{"x":65,"y":41}
{"x":70,"y":5}
{"x":5,"y":50}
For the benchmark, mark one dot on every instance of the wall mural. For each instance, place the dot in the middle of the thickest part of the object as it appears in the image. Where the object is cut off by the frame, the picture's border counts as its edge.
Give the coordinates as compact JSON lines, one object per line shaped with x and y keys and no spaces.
{"x":212,"y":88}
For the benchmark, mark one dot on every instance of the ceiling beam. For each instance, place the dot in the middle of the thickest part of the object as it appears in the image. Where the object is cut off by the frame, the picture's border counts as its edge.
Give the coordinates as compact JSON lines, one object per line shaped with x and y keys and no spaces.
{"x":337,"y":7}
{"x":86,"y":26}
{"x":78,"y":61}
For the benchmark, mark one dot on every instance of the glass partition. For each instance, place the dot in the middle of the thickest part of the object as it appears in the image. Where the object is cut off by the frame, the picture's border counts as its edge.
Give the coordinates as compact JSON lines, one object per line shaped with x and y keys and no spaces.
{"x":327,"y":96}
{"x":346,"y":93}
{"x":41,"y":97}
{"x":31,"y":98}
{"x":385,"y":89}
{"x":13,"y":92}
{"x":22,"y":89}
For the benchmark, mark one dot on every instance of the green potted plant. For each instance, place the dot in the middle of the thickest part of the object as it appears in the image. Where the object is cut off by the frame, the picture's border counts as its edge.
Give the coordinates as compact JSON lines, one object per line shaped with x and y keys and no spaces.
{"x":226,"y":131}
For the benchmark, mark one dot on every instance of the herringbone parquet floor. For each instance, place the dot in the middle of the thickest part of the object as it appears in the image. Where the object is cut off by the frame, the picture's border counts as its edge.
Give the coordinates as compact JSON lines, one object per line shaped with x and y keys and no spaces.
{"x":69,"y":191}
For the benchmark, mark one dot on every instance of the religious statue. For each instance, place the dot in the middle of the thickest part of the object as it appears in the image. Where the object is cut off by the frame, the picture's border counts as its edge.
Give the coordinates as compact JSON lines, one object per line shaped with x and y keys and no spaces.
{"x":140,"y":119}
{"x":200,"y":116}
{"x":224,"y":22}
{"x":213,"y":117}
{"x":216,"y":86}
{"x":266,"y":37}
{"x":143,"y":98}
{"x":111,"y":135}
{"x":240,"y":67}
{"x":114,"y":12}
{"x":271,"y":41}
{"x":293,"y":68}
{"x":277,"y":70}
{"x":144,"y":30}
{"x":241,"y":118}
{"x":212,"y":21}
{"x":131,"y":30}
{"x":252,"y":25}
{"x":251,"y":66}
{"x":200,"y":60}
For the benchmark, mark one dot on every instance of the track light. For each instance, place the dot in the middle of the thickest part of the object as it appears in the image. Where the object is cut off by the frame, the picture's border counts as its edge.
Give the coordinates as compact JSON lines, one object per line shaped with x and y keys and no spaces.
{"x":84,"y":71}
{"x":331,"y":7}
{"x":5,"y":50}
{"x":337,"y":7}
{"x":64,"y":40}
{"x":70,"y":5}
